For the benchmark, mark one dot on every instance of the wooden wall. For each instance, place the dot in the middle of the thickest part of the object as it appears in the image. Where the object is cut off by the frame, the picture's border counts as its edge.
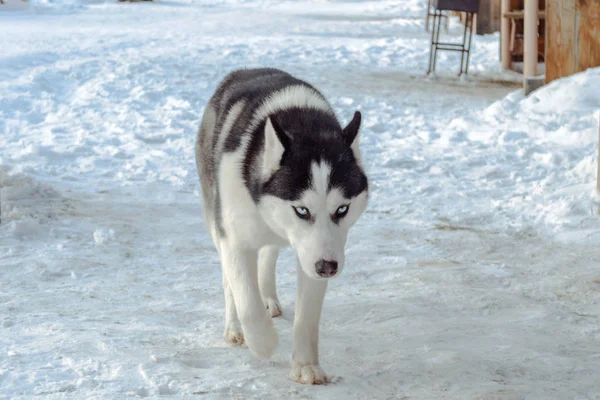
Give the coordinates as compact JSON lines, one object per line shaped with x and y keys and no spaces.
{"x":572,"y":37}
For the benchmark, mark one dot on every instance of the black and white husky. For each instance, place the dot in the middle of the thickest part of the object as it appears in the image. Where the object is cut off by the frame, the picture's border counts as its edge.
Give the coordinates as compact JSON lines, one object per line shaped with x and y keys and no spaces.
{"x":277,"y":169}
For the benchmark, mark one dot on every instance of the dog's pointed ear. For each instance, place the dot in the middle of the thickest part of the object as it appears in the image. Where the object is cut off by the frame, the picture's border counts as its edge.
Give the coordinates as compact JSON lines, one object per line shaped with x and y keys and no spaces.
{"x":350,"y":134}
{"x":351,"y":131}
{"x":276,"y":142}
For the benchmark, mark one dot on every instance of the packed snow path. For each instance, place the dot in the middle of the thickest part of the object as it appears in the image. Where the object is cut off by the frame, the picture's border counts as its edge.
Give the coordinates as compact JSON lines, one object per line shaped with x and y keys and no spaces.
{"x":473,"y":273}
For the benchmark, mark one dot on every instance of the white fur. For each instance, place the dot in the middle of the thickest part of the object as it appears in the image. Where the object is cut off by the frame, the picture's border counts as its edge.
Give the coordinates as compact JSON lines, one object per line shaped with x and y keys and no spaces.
{"x":240,"y":270}
{"x":305,"y":353}
{"x":300,"y":96}
{"x":267,"y":262}
{"x":245,"y":233}
{"x":356,"y":151}
{"x":242,"y":222}
{"x":233,"y":329}
{"x":320,"y":177}
{"x":273,"y":150}
{"x":323,"y":239}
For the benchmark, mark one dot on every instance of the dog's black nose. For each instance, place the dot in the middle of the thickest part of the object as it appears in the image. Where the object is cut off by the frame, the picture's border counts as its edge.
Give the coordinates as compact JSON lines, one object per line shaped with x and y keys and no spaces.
{"x":326,"y":269}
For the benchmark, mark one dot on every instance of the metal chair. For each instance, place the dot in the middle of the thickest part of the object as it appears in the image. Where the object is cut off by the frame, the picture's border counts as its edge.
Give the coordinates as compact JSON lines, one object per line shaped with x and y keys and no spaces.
{"x":470,"y":7}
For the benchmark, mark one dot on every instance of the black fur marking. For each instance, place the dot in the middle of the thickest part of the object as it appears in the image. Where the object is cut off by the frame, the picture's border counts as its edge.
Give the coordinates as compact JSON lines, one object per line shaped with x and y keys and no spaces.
{"x":252,"y":85}
{"x":316,"y":137}
{"x":255,"y":90}
{"x":347,"y":176}
{"x":283,"y":137}
{"x":351,"y":130}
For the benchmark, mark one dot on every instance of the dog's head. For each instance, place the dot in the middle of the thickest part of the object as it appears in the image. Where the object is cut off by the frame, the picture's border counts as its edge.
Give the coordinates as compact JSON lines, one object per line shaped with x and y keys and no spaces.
{"x":314,"y":188}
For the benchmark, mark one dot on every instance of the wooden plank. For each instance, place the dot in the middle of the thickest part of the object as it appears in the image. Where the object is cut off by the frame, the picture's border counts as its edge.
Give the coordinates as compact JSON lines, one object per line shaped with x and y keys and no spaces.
{"x":561,"y":34}
{"x":520,"y":14}
{"x":530,"y":35}
{"x":488,"y":17}
{"x":588,"y":34}
{"x":505,"y":36}
{"x":573,"y":30}
{"x":484,"y":22}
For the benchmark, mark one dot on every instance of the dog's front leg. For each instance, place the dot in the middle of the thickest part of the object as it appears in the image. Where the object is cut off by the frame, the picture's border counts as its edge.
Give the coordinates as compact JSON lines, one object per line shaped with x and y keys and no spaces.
{"x":240,"y":268}
{"x":233,"y":330}
{"x":305,"y":356}
{"x":267,"y":263}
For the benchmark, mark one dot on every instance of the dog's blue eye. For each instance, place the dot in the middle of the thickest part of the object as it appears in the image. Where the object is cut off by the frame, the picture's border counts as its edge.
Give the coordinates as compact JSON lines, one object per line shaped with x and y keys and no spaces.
{"x":302,"y":212}
{"x":341,"y":211}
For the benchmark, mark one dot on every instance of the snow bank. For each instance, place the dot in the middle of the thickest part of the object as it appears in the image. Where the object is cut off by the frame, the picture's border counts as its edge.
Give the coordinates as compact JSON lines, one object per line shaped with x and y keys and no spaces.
{"x":24,"y":198}
{"x":576,"y":95}
{"x":27,"y":206}
{"x":554,"y":131}
{"x":564,"y":111}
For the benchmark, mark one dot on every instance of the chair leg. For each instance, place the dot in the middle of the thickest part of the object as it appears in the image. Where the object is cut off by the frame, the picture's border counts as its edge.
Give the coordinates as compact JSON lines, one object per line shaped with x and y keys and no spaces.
{"x":464,"y":47}
{"x":432,"y":47}
{"x":469,"y":45}
{"x":428,"y":15}
{"x":464,"y":42}
{"x":438,"y":17}
{"x":513,"y":34}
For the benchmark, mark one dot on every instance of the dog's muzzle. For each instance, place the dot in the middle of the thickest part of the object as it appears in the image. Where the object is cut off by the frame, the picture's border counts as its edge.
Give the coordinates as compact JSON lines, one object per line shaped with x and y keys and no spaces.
{"x":326,"y":269}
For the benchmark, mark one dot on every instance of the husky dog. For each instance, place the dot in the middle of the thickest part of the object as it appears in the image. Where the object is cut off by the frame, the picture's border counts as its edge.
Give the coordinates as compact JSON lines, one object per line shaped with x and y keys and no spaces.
{"x":277,"y":169}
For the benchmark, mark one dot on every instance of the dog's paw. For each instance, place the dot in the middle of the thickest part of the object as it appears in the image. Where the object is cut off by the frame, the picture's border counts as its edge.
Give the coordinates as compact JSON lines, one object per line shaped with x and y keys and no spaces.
{"x":308,"y":374}
{"x":234,"y":335}
{"x":273,"y":307}
{"x":261,"y":340}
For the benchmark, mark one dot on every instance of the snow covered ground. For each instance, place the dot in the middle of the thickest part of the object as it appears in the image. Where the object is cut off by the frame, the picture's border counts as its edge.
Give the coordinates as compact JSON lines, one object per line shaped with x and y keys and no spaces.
{"x":473,"y":275}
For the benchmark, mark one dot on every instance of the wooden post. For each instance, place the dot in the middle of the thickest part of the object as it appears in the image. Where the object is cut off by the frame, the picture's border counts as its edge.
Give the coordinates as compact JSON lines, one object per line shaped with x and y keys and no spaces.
{"x":505,"y":35}
{"x":530,"y":37}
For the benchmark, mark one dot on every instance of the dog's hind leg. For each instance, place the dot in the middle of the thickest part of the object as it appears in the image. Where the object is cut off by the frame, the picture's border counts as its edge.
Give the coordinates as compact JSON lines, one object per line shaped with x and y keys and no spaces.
{"x":267,"y":263}
{"x":241,"y":270}
{"x":305,"y":355}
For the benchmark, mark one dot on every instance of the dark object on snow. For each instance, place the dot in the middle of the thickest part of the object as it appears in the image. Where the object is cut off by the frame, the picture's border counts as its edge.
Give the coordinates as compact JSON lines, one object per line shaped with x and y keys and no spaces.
{"x":470,"y":7}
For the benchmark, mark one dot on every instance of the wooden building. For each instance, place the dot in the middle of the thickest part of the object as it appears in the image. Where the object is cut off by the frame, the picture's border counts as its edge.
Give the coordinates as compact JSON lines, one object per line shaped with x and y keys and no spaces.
{"x":573,"y":33}
{"x":563,"y":35}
